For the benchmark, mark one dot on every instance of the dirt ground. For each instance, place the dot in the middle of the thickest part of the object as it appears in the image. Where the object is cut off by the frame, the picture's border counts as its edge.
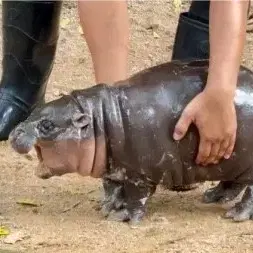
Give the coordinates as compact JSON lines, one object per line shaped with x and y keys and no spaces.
{"x":66,"y":218}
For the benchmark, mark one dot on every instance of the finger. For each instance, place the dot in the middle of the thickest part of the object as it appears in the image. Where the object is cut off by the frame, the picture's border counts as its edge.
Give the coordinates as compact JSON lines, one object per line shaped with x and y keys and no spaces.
{"x":213,"y":153}
{"x":182,"y":126}
{"x":223,"y":147}
{"x":230,"y":149}
{"x":204,"y":151}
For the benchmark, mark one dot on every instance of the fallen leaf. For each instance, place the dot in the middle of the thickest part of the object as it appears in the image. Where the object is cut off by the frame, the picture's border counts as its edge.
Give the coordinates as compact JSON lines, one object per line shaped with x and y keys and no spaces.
{"x":15,"y":237}
{"x":152,"y":27}
{"x":4,"y":231}
{"x":177,"y":5}
{"x":8,"y":251}
{"x":27,"y":202}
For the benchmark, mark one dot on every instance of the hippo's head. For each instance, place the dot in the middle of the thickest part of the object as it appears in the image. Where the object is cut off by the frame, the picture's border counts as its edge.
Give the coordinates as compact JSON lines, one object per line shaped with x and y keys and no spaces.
{"x":63,"y":136}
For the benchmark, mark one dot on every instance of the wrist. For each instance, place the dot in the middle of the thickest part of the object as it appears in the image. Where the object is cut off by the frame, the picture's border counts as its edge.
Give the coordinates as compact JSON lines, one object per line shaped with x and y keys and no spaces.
{"x":220,"y":93}
{"x":222,"y":84}
{"x":221,"y":90}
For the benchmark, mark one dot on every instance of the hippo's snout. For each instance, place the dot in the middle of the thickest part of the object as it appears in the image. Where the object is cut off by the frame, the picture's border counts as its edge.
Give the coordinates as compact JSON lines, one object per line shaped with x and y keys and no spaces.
{"x":21,"y":141}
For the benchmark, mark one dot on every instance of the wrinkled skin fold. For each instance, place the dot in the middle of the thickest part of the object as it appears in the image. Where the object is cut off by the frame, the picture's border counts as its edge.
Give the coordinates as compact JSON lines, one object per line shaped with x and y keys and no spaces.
{"x":123,"y":134}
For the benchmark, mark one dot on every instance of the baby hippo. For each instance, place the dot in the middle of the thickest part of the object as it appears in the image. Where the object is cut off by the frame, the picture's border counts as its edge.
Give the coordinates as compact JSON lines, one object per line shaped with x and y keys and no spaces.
{"x":123,"y":134}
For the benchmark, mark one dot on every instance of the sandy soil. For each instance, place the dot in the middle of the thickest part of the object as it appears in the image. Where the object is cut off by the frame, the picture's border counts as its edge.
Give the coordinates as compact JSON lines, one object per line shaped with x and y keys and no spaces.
{"x":67,"y":217}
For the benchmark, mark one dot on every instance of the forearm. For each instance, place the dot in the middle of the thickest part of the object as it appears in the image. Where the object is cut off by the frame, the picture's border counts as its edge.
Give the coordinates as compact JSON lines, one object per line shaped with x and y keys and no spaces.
{"x":106,"y":30}
{"x":228,"y":21}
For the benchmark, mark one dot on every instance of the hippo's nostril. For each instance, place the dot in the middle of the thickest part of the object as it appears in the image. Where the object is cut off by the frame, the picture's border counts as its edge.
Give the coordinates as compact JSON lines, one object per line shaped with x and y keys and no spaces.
{"x":20,"y":141}
{"x":19,"y":132}
{"x":14,"y":135}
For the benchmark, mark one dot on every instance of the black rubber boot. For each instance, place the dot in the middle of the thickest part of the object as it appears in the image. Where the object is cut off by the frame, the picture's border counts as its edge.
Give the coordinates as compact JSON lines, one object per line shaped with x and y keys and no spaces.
{"x":192,"y":35}
{"x":30,"y":34}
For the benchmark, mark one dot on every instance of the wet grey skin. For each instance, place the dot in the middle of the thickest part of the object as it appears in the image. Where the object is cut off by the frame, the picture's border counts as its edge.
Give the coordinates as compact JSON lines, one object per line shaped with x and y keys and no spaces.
{"x":123,"y":134}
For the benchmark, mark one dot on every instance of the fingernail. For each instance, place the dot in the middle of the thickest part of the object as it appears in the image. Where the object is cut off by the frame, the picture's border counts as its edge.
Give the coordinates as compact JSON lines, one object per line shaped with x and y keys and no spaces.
{"x":176,"y":137}
{"x":226,"y":156}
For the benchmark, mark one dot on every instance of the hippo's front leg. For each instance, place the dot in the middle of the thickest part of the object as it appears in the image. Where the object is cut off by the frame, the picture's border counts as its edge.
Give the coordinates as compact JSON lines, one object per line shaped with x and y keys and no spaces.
{"x":136,"y":193}
{"x":242,"y":210}
{"x":113,"y":198}
{"x":224,"y":192}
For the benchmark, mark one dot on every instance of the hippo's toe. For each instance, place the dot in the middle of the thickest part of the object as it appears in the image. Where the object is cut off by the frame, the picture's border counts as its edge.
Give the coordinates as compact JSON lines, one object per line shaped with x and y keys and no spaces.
{"x":108,"y":206}
{"x":239,"y":213}
{"x":120,"y":215}
{"x":124,"y":214}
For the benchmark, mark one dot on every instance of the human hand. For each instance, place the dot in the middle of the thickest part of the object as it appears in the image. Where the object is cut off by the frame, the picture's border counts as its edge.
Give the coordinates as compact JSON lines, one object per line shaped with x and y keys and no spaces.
{"x":215,"y":117}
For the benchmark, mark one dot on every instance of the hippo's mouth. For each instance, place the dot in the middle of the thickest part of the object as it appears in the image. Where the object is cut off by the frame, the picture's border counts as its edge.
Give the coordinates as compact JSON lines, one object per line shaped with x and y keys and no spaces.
{"x":48,"y":165}
{"x":42,"y":171}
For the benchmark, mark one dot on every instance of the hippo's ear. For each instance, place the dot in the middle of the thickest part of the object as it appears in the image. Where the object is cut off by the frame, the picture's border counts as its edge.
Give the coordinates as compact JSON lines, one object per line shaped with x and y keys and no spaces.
{"x":80,"y":120}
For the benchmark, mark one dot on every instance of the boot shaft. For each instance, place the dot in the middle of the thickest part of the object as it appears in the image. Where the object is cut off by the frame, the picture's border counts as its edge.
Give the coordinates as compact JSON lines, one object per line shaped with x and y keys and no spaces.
{"x":192,"y":34}
{"x":30,"y":34}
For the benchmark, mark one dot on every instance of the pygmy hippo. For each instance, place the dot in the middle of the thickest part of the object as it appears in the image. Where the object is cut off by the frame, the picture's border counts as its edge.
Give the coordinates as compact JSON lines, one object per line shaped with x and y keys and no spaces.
{"x":123,"y":134}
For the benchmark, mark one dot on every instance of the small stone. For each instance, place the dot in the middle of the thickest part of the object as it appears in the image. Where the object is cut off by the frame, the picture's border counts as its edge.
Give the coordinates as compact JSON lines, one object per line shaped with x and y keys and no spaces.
{"x":81,"y":60}
{"x":150,"y":56}
{"x":28,"y":157}
{"x":155,"y":35}
{"x":57,"y":93}
{"x":35,"y":211}
{"x":69,"y":4}
{"x":160,"y":219}
{"x":97,"y":207}
{"x":80,"y":30}
{"x":153,"y":24}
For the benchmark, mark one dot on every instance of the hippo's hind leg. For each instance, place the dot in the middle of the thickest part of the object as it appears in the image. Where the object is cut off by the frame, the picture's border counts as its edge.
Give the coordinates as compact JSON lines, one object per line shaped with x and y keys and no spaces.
{"x":242,"y":210}
{"x":136,"y":193}
{"x":224,"y":192}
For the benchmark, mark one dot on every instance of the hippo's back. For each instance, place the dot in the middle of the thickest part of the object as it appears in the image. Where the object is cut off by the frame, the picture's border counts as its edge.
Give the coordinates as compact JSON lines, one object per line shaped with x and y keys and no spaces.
{"x":152,"y":101}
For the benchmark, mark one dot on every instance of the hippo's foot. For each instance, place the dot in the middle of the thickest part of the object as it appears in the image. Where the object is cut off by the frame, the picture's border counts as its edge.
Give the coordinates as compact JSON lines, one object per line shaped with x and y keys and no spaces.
{"x":132,"y":216}
{"x":113,"y":199}
{"x":242,"y":210}
{"x":127,"y":200}
{"x":223,"y":192}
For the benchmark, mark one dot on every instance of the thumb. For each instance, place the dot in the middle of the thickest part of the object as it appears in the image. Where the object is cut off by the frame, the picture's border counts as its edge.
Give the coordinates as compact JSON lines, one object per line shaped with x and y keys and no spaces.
{"x":182,"y":125}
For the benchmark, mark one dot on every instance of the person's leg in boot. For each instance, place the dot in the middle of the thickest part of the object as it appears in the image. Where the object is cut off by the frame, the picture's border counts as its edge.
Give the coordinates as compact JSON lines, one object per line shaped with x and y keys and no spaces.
{"x":106,"y":29}
{"x":192,"y":34}
{"x":30,"y":33}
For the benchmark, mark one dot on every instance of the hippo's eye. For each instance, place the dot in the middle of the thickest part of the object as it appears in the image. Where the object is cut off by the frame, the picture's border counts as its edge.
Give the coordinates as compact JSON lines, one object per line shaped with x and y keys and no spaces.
{"x":45,"y":126}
